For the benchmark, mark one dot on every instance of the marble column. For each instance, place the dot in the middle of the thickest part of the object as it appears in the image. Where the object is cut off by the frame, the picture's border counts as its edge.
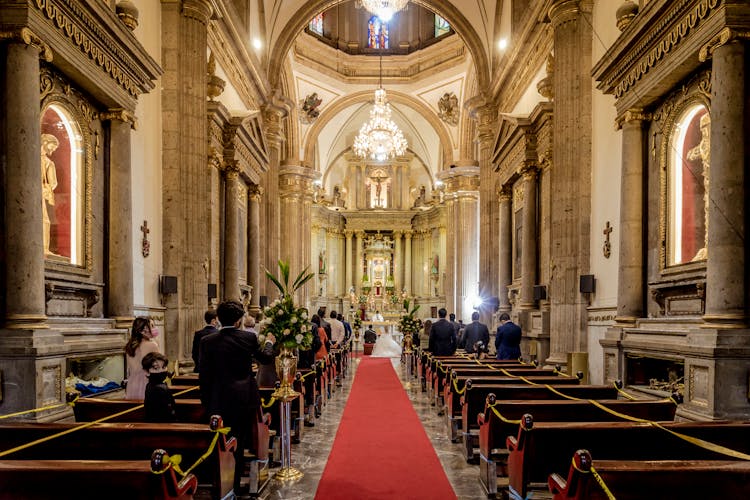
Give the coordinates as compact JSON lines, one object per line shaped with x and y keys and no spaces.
{"x":630,"y":285}
{"x":358,"y":261}
{"x":450,"y":263}
{"x":348,"y":259}
{"x":529,"y":239}
{"x":120,"y":255}
{"x":398,"y":262}
{"x":505,"y":238}
{"x":330,"y":239}
{"x":571,"y":176}
{"x":295,"y":191}
{"x":254,"y":277}
{"x":231,"y":232}
{"x":186,"y":252}
{"x":407,"y":262}
{"x":24,"y":250}
{"x":726,"y":293}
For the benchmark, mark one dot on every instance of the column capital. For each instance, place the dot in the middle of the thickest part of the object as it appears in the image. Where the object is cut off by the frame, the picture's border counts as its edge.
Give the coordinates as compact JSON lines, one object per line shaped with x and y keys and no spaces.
{"x":563,"y":11}
{"x":408,"y":234}
{"x":120,"y":115}
{"x":200,"y":10}
{"x":359,"y":233}
{"x":725,"y":36}
{"x":632,"y":115}
{"x":504,"y":193}
{"x":348,"y":233}
{"x":215,"y":159}
{"x":255,"y":192}
{"x":529,"y":172}
{"x":25,"y":35}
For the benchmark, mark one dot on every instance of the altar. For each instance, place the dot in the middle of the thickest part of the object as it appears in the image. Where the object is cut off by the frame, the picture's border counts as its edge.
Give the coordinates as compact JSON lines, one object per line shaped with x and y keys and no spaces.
{"x":386,"y":327}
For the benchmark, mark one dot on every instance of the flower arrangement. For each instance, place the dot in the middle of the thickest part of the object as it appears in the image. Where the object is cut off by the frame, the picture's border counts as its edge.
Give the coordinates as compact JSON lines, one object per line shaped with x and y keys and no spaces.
{"x":409,"y":324}
{"x":287,"y":322}
{"x":357,"y":323}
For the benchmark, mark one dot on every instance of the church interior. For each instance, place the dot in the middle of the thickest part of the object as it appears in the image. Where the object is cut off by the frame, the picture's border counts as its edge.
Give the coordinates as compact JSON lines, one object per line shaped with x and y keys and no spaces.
{"x":576,"y":165}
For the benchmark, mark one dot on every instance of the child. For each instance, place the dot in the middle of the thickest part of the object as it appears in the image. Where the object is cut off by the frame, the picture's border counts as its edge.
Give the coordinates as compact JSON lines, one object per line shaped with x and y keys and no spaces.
{"x":158,"y":403}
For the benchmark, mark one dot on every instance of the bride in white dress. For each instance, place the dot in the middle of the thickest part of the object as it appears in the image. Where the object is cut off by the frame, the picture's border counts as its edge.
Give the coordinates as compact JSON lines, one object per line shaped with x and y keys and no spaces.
{"x":386,"y":347}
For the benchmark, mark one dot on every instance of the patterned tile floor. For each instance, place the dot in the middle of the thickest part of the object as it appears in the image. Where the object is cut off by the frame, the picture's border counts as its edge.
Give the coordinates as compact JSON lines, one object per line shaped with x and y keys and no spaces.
{"x":311,"y":455}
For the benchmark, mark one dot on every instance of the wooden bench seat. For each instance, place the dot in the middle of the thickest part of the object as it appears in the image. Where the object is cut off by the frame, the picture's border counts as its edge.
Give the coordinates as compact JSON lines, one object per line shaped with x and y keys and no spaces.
{"x":635,"y":480}
{"x":439,"y":378}
{"x":543,"y":448}
{"x":452,"y":396}
{"x":128,"y":441}
{"x":494,"y":433}
{"x":110,"y":479}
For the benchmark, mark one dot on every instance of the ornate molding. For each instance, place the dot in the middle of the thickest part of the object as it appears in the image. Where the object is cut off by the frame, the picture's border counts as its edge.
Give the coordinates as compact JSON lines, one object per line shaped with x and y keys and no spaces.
{"x":725,"y":36}
{"x":120,"y":114}
{"x":28,"y":37}
{"x":632,"y":115}
{"x":563,"y":11}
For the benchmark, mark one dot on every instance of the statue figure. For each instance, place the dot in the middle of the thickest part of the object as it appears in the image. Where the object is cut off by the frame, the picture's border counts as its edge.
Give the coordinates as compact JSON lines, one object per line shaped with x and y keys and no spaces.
{"x":703,"y":152}
{"x":49,"y":183}
{"x":448,"y":109}
{"x":322,"y":262}
{"x":308,"y":108}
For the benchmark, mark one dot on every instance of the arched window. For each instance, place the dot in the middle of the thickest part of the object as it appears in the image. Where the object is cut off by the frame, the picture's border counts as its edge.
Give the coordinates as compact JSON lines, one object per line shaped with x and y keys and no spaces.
{"x":442,"y":26}
{"x":63,"y":186}
{"x":316,"y":24}
{"x":687,"y":182}
{"x":377,"y":33}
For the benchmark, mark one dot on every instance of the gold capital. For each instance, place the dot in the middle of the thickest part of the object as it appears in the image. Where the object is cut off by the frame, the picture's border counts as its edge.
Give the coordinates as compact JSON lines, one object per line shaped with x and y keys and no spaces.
{"x":120,"y":114}
{"x":28,"y":37}
{"x":725,"y":36}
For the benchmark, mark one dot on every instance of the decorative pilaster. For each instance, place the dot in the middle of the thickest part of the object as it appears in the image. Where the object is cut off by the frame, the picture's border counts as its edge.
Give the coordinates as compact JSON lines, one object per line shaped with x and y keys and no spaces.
{"x":505,"y":237}
{"x":407,"y":261}
{"x":348,"y":259}
{"x":398,"y":261}
{"x":120,"y":254}
{"x":255,"y":194}
{"x":529,"y":239}
{"x":571,"y":176}
{"x":231,"y":232}
{"x":359,"y":256}
{"x":23,"y":261}
{"x":630,"y":285}
{"x":186,"y":249}
{"x":726,"y":294}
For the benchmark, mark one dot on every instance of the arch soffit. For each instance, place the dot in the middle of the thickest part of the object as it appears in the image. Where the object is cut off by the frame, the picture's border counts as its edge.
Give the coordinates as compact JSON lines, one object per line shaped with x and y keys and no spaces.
{"x":443,"y":8}
{"x":331,"y":112}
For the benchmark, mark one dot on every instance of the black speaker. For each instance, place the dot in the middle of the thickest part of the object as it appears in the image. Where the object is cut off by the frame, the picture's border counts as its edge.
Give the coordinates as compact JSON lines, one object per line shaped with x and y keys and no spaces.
{"x":212,"y":291}
{"x":167,"y":284}
{"x":263,"y":301}
{"x":540,"y":292}
{"x":587,"y":283}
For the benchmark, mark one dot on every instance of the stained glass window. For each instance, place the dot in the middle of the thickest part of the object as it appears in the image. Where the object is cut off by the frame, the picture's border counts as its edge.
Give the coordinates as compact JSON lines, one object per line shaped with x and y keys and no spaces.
{"x":377,"y":33}
{"x":316,"y":24}
{"x":441,"y":26}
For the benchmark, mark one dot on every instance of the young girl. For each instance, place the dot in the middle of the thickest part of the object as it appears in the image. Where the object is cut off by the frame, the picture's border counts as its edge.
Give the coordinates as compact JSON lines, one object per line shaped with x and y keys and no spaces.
{"x":158,"y":404}
{"x":140,"y":343}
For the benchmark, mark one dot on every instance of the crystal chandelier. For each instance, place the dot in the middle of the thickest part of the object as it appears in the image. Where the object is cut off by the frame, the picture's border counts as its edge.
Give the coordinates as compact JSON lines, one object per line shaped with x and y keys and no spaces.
{"x":380,"y":138}
{"x":384,"y":9}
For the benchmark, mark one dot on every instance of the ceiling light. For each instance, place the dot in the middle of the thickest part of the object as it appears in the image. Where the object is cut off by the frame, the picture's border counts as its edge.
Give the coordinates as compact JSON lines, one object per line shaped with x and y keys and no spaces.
{"x":257,"y":44}
{"x":502,"y":44}
{"x":384,"y":9}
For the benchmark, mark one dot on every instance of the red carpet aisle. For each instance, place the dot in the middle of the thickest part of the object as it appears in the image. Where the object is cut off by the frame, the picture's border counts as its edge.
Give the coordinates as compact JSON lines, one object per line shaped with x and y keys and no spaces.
{"x":381,"y":449}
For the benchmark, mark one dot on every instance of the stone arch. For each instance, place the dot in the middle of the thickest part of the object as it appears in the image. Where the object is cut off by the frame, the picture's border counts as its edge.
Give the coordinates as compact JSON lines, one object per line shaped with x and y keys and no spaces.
{"x":330,"y":112}
{"x":443,"y":8}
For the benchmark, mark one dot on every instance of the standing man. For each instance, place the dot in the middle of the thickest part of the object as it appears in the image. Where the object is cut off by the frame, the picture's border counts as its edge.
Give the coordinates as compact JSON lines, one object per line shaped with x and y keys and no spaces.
{"x":212,"y":326}
{"x":475,"y":332}
{"x":508,"y":339}
{"x":442,"y":336}
{"x":347,"y":327}
{"x":227,"y":384}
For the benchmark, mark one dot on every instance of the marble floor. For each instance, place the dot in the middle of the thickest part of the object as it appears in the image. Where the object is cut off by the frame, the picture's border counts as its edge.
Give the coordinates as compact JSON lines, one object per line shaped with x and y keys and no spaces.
{"x":311,"y":455}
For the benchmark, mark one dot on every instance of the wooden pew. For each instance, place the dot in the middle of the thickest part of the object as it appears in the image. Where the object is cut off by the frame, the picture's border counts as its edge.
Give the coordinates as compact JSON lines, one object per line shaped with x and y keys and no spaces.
{"x":111,"y":479}
{"x":131,"y":441}
{"x":438,"y":382}
{"x":494,"y":433}
{"x":430,"y":365}
{"x":188,"y":411}
{"x":635,"y":480}
{"x":457,"y":386}
{"x":473,"y":403}
{"x":542,"y":448}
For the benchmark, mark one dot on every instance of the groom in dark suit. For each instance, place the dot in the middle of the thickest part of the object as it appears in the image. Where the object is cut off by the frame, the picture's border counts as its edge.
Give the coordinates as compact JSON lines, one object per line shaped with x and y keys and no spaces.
{"x":212,"y":323}
{"x":227,"y":383}
{"x":442,"y":336}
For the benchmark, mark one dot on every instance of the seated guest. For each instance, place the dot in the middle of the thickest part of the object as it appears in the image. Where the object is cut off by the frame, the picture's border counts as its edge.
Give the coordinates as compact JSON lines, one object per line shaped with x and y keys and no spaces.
{"x":158,"y":403}
{"x":212,"y":326}
{"x":325,"y":344}
{"x":370,"y":335}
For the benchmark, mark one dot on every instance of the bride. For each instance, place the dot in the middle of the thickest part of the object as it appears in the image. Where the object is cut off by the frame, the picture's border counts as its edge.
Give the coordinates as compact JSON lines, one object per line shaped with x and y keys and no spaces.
{"x":386,"y":347}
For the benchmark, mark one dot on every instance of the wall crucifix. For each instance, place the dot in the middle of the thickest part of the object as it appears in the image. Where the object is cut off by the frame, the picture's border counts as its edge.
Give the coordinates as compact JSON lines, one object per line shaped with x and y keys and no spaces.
{"x":607,"y":249}
{"x":145,"y":244}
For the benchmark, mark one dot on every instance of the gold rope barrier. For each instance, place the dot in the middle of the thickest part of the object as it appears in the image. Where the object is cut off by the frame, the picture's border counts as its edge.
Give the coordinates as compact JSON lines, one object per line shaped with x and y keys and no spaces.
{"x":500,"y":416}
{"x":269,"y":404}
{"x":455,"y":386}
{"x":598,"y":478}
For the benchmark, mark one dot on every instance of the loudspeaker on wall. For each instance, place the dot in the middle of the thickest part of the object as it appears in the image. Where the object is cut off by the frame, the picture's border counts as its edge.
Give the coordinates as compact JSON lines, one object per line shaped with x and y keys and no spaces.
{"x":263,"y":301}
{"x":540,"y":292}
{"x":167,"y":285}
{"x":587,"y":283}
{"x":212,"y":291}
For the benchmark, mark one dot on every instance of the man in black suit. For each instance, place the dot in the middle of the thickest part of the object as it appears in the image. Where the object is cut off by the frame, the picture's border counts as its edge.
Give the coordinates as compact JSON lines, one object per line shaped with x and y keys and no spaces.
{"x":212,"y":326}
{"x":442,"y":336}
{"x":227,"y":383}
{"x":508,"y":339}
{"x":475,"y":332}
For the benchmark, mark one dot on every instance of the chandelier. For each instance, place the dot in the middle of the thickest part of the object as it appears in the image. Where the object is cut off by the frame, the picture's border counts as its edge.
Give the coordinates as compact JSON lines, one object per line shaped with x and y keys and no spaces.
{"x":384,"y":9}
{"x":380,"y":138}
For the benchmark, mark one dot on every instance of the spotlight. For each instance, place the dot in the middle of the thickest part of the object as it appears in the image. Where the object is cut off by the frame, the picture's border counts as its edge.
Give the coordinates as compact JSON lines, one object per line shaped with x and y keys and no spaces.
{"x":502,"y":44}
{"x":476,"y":302}
{"x":257,"y":44}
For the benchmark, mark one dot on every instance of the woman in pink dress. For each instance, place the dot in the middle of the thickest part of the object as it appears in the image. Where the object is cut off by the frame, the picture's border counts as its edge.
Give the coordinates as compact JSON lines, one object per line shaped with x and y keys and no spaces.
{"x":141,"y":342}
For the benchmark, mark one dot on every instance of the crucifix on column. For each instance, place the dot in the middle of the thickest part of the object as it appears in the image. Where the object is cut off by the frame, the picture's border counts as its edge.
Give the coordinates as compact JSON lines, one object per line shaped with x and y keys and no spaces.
{"x":607,"y":249}
{"x":145,"y":244}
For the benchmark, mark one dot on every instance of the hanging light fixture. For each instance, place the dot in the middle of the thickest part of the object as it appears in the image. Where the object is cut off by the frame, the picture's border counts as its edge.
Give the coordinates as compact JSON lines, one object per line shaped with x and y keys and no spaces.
{"x":384,"y":9}
{"x":380,"y":138}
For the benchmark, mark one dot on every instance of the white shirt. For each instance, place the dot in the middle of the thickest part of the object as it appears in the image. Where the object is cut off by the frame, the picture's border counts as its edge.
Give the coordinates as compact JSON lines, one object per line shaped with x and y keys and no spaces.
{"x":337,"y":331}
{"x":377,"y":317}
